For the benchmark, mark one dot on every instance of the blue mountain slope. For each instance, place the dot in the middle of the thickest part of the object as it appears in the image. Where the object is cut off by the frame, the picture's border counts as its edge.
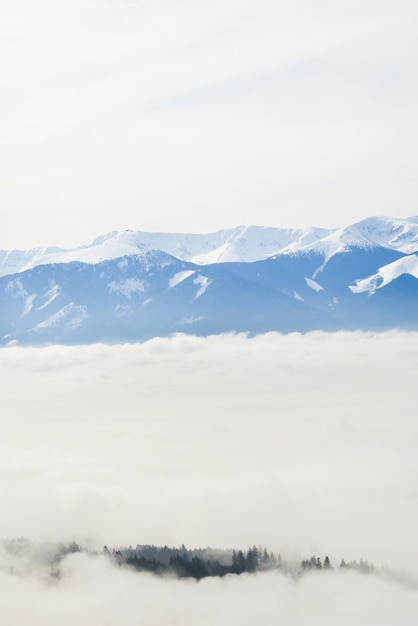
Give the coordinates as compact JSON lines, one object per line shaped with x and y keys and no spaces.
{"x":346,"y":267}
{"x":325,"y":290}
{"x":394,"y":306}
{"x":135,"y":298}
{"x":90,"y":303}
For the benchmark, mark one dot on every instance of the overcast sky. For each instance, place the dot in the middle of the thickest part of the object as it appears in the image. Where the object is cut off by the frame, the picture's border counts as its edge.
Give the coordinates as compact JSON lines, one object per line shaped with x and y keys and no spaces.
{"x":187,"y":115}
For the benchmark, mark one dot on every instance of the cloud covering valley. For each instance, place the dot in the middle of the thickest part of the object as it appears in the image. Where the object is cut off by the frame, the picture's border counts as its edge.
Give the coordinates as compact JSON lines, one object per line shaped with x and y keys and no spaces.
{"x":306,"y":444}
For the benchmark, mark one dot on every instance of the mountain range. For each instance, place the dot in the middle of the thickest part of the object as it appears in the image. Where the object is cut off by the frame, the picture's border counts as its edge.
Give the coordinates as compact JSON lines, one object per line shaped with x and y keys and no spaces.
{"x":133,"y":285}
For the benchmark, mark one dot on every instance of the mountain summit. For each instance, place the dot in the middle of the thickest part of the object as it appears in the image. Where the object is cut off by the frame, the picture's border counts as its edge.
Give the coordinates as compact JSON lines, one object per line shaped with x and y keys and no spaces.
{"x":243,"y":244}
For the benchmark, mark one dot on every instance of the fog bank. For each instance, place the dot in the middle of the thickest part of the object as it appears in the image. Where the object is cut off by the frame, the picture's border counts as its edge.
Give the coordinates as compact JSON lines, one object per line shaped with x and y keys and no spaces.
{"x":92,"y":592}
{"x":304,"y":443}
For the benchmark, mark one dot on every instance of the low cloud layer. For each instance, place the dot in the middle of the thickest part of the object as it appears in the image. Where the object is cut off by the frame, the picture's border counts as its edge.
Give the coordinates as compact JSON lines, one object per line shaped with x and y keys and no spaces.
{"x":304,"y":443}
{"x":94,"y":593}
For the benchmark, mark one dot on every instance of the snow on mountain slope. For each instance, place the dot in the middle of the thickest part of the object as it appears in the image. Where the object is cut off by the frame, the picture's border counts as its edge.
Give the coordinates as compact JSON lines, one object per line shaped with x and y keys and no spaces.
{"x":137,"y":297}
{"x":240,"y":244}
{"x":142,"y":296}
{"x":243,"y":243}
{"x":179,"y":277}
{"x":394,"y":234}
{"x":386,"y":274}
{"x":73,"y":315}
{"x":255,"y":243}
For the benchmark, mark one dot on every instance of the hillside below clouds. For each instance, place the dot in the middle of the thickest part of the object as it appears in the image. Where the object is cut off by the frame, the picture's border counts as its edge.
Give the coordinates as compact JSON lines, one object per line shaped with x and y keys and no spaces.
{"x":132,"y":286}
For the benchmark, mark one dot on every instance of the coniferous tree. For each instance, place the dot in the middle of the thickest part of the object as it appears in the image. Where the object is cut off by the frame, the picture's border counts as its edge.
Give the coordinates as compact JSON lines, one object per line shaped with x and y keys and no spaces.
{"x":252,"y":559}
{"x":239,"y":563}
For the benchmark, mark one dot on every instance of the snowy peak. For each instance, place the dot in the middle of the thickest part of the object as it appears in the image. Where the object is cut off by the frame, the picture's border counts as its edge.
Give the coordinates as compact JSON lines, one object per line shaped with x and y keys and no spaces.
{"x":385,"y":232}
{"x":242,"y":244}
{"x":396,"y":234}
{"x":246,"y":244}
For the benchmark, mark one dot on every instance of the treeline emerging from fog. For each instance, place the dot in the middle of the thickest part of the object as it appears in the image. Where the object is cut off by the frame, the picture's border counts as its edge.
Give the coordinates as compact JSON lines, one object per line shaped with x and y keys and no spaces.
{"x":201,"y":563}
{"x":180,"y":562}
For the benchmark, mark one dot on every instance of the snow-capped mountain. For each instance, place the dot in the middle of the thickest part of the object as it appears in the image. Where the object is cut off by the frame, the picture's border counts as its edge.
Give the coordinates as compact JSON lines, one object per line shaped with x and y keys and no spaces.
{"x":242,"y":244}
{"x":121,"y":288}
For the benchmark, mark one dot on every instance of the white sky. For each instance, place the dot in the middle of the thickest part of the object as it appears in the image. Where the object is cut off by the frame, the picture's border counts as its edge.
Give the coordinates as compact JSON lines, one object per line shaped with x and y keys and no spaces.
{"x":186,"y":115}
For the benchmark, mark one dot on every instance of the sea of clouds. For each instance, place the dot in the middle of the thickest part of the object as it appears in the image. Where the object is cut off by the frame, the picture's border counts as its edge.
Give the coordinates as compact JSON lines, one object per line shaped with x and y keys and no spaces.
{"x":305,"y":444}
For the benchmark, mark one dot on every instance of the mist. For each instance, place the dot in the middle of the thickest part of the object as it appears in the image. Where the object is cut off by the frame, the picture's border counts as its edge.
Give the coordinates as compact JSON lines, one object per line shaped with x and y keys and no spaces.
{"x":303,"y":443}
{"x":93,"y":593}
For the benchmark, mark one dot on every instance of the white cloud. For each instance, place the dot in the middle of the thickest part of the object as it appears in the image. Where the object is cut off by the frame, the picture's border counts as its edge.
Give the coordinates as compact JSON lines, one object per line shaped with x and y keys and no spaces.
{"x":304,"y":443}
{"x":92,"y":592}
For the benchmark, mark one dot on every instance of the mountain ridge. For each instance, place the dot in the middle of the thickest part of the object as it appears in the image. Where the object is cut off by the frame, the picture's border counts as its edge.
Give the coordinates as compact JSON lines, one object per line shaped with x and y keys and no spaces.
{"x":363,"y":277}
{"x":239,"y":244}
{"x":137,"y":297}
